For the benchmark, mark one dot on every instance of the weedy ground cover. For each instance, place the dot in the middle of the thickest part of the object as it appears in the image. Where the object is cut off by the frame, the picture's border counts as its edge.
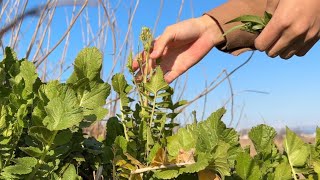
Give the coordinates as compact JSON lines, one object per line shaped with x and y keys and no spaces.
{"x":41,"y":130}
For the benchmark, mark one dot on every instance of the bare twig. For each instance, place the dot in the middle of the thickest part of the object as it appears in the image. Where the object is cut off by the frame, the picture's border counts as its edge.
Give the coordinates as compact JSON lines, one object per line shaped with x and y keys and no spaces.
{"x":158,"y":17}
{"x":37,"y":63}
{"x":206,"y":91}
{"x":169,"y":166}
{"x":180,"y":10}
{"x":231,"y":96}
{"x":19,"y":26}
{"x":31,"y":12}
{"x":125,"y":39}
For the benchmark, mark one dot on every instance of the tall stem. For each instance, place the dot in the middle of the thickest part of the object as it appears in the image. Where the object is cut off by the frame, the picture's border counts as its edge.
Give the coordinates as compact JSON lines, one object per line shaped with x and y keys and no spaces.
{"x":153,"y":109}
{"x":41,"y":161}
{"x":123,"y":123}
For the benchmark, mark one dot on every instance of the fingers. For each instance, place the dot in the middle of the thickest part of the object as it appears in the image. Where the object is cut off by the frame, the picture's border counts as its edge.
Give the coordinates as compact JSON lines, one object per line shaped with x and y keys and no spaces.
{"x":271,"y":33}
{"x":292,"y":49}
{"x":161,"y":43}
{"x":171,"y":76}
{"x":306,"y":48}
{"x":286,"y":40}
{"x":272,"y":6}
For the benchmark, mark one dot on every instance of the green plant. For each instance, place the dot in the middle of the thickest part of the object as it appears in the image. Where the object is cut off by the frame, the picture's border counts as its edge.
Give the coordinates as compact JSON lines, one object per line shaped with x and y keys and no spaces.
{"x":41,"y":130}
{"x":250,"y":23}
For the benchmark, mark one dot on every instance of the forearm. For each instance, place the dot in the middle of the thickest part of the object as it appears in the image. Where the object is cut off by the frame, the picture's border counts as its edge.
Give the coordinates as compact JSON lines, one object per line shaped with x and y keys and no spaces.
{"x":237,"y":41}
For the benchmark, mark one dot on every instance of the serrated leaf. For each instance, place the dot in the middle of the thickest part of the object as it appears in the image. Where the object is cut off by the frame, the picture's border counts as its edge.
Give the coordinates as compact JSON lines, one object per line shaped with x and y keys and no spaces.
{"x":10,"y":59}
{"x":121,"y":143}
{"x":167,"y":174}
{"x":87,"y":64}
{"x":219,"y":162}
{"x":157,"y":82}
{"x":62,"y":112}
{"x":32,"y":151}
{"x":262,"y":137}
{"x":316,"y":166}
{"x":246,"y":167}
{"x":63,"y":137}
{"x":153,"y":152}
{"x":42,"y":134}
{"x":23,"y":166}
{"x":297,"y":151}
{"x":184,"y":139}
{"x":28,"y":73}
{"x":283,"y":172}
{"x":114,"y":129}
{"x":95,"y":96}
{"x":212,"y":130}
{"x":120,"y":85}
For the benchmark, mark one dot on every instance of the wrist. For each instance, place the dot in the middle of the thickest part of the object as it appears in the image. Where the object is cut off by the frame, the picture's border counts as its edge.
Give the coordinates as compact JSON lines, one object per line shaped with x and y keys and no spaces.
{"x":212,"y":28}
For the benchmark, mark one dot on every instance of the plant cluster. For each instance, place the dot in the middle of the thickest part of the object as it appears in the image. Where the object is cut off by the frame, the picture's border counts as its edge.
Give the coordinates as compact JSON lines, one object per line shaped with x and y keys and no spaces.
{"x":41,"y":130}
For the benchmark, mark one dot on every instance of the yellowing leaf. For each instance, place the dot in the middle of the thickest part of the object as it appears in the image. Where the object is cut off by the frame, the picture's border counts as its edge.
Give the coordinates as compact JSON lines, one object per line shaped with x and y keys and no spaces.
{"x":160,"y":158}
{"x":207,"y":175}
{"x":134,"y":160}
{"x":186,"y":156}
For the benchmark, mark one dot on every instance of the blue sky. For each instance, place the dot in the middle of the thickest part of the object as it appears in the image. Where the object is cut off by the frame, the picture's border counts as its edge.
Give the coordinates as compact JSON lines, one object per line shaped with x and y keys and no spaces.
{"x":293,"y":86}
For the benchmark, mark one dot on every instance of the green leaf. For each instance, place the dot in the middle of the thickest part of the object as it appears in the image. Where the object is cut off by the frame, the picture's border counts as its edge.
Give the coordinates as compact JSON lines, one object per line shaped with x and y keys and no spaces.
{"x":63,"y":137}
{"x":62,"y":112}
{"x":297,"y":151}
{"x":114,"y":129}
{"x":70,"y":173}
{"x":157,"y":82}
{"x":121,"y":143}
{"x":32,"y":151}
{"x":153,"y":152}
{"x":246,"y":167}
{"x":23,"y":166}
{"x":42,"y":134}
{"x":167,"y":174}
{"x":28,"y":73}
{"x":316,"y":166}
{"x":183,"y":140}
{"x":247,"y":18}
{"x":220,"y":157}
{"x":179,"y":104}
{"x":87,"y":65}
{"x":262,"y":137}
{"x":120,"y":85}
{"x":10,"y":59}
{"x":95,"y":96}
{"x":283,"y":172}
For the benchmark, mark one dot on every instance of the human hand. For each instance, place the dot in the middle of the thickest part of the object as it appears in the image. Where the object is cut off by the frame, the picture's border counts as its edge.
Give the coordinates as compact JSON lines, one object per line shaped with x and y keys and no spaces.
{"x":293,"y":29}
{"x":184,"y":44}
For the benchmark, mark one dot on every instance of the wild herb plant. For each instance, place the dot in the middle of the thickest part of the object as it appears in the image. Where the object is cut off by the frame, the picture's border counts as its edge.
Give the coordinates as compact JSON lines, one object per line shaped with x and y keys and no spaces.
{"x":41,"y":130}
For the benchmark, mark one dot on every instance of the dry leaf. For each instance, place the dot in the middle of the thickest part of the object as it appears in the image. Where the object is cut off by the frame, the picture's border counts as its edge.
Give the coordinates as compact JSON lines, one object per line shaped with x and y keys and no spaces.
{"x":186,"y":156}
{"x":134,"y":161}
{"x":161,"y":158}
{"x":136,"y":177}
{"x":207,"y":175}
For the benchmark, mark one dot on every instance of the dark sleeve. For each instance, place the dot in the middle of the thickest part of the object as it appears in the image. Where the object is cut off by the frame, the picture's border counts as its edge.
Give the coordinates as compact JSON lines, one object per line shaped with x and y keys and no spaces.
{"x":237,"y":41}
